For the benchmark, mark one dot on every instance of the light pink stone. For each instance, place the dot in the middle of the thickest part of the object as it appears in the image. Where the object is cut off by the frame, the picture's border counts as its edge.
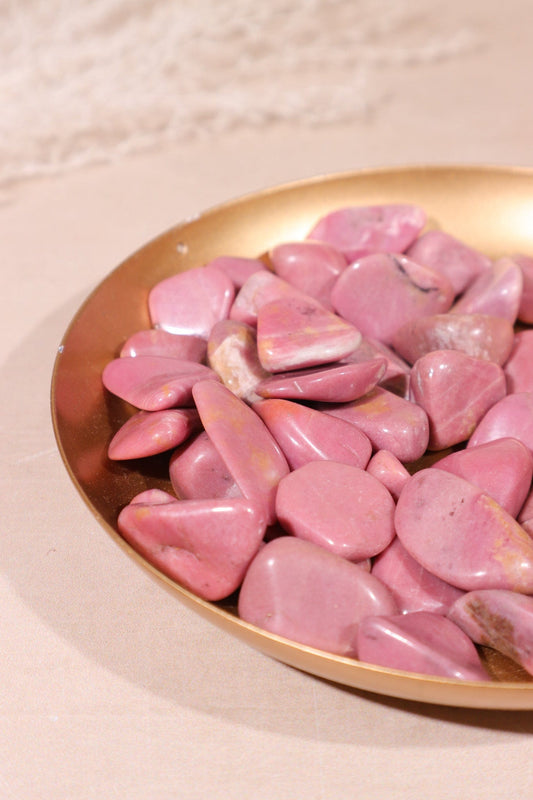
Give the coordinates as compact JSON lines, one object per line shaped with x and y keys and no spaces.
{"x":153,"y":497}
{"x":496,"y":291}
{"x":340,"y":383}
{"x":339,"y":507}
{"x":382,"y":292}
{"x":389,"y":470}
{"x":232,"y":353}
{"x":519,"y":366}
{"x":499,"y":619}
{"x":294,"y":333}
{"x":205,"y":545}
{"x":245,"y":444}
{"x":153,"y":383}
{"x":455,"y":391}
{"x":502,"y":468}
{"x":312,"y":267}
{"x":396,"y":377}
{"x":197,"y":471}
{"x":477,"y":335}
{"x":525,"y":311}
{"x":191,"y":301}
{"x":444,"y":253}
{"x":157,"y":342}
{"x":304,"y":593}
{"x":412,"y":586}
{"x":462,"y":535}
{"x":421,"y":642}
{"x":305,"y":434}
{"x":510,"y":417}
{"x":259,"y":289}
{"x":390,"y":422}
{"x":147,"y":433}
{"x":238,"y":268}
{"x":360,"y":230}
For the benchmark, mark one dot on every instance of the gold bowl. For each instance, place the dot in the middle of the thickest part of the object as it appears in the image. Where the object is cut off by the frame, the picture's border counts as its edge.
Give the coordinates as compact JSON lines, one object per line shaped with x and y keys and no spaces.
{"x":490,"y":208}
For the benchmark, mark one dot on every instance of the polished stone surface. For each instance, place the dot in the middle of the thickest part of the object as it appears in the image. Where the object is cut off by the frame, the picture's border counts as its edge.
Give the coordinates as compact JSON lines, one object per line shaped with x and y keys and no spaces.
{"x":444,"y":253}
{"x":197,"y":471}
{"x":512,"y":416}
{"x":519,"y":366}
{"x":496,"y":291}
{"x":157,"y":342}
{"x":147,"y":433}
{"x":232,"y":353}
{"x":339,"y":383}
{"x":312,"y":267}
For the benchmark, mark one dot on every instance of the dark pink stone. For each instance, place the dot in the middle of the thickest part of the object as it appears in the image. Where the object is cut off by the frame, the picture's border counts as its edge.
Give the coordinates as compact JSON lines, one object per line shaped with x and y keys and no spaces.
{"x":197,"y":471}
{"x":245,"y":444}
{"x":337,"y":506}
{"x":382,"y":292}
{"x":510,"y":417}
{"x":305,"y":434}
{"x":526,"y":512}
{"x":519,"y":366}
{"x":304,"y":593}
{"x":389,"y":470}
{"x":477,"y":335}
{"x":156,"y":342}
{"x":499,"y":619}
{"x":150,"y":432}
{"x":191,"y":301}
{"x":444,"y":253}
{"x":312,"y":267}
{"x":390,"y":422}
{"x":232,"y":353}
{"x":455,"y":391}
{"x":421,"y":642}
{"x":462,"y":535}
{"x":412,"y":586}
{"x":332,"y":384}
{"x":237,"y":268}
{"x":525,"y":311}
{"x":496,"y":291}
{"x":360,"y":230}
{"x":294,"y":333}
{"x":261,"y":288}
{"x":205,"y":545}
{"x":502,"y":468}
{"x":153,"y":383}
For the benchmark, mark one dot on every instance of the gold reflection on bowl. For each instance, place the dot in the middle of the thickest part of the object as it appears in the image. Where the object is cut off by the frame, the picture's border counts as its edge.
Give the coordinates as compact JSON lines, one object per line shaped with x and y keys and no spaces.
{"x":490,"y":208}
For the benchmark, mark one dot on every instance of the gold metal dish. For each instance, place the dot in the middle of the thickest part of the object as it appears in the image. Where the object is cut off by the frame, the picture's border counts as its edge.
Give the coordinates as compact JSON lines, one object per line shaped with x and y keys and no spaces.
{"x":490,"y":208}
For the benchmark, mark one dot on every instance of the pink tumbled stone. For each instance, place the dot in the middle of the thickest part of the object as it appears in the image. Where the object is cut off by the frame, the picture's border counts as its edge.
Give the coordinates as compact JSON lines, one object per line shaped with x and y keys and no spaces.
{"x":444,"y":253}
{"x":304,"y":593}
{"x":191,"y":301}
{"x":518,"y":368}
{"x":245,"y":444}
{"x":332,"y":384}
{"x":150,"y":432}
{"x":197,"y":471}
{"x":382,"y":292}
{"x":502,"y":468}
{"x":455,"y":390}
{"x":157,"y":342}
{"x":232,"y":353}
{"x":312,"y":267}
{"x":477,"y":335}
{"x":499,"y":619}
{"x":360,"y":230}
{"x":238,"y":268}
{"x":205,"y":545}
{"x":459,"y":533}
{"x":153,"y":497}
{"x":305,"y":434}
{"x":294,"y":333}
{"x":496,"y":291}
{"x":153,"y":383}
{"x":389,"y":470}
{"x":525,"y":311}
{"x":259,"y":289}
{"x":412,"y":586}
{"x":421,"y":642}
{"x":390,"y":422}
{"x":337,"y":506}
{"x":510,"y":417}
{"x":396,"y":377}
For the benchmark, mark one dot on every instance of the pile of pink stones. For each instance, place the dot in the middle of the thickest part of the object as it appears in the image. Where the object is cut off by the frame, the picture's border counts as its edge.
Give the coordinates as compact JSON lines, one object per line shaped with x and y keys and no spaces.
{"x":298,"y":393}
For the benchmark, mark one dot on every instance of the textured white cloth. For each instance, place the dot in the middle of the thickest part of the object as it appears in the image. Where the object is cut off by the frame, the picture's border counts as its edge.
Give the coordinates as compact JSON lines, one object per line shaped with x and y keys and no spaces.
{"x":83,"y":81}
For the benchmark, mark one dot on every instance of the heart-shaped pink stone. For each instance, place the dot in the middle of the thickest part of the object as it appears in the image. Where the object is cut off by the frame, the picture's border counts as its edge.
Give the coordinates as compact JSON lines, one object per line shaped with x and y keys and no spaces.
{"x":197,"y":471}
{"x":337,"y":506}
{"x":150,"y":432}
{"x":444,"y":253}
{"x":496,"y":291}
{"x":157,"y":342}
{"x":502,"y":468}
{"x":191,"y":301}
{"x":455,"y":391}
{"x":459,"y":533}
{"x":305,"y":434}
{"x":421,"y":642}
{"x":381,"y":293}
{"x":519,"y":366}
{"x":304,"y":593}
{"x":298,"y":332}
{"x":359,"y":230}
{"x":245,"y":444}
{"x":311,"y":267}
{"x":153,"y":383}
{"x":232,"y":353}
{"x":510,"y":417}
{"x":340,"y":383}
{"x":205,"y":545}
